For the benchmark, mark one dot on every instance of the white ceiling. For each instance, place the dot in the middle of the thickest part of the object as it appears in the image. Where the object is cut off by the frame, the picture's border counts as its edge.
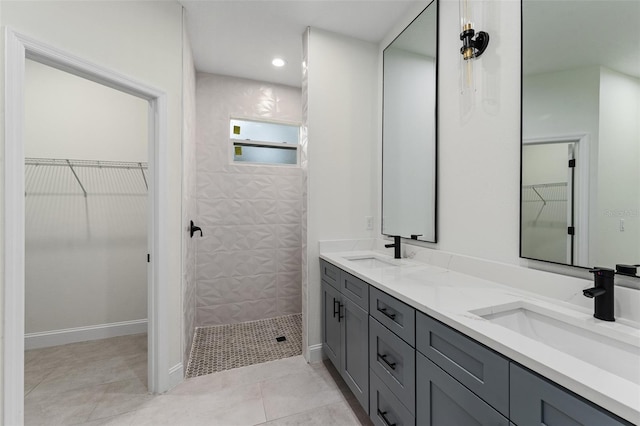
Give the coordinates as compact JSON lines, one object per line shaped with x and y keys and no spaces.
{"x":562,"y":35}
{"x":241,"y":37}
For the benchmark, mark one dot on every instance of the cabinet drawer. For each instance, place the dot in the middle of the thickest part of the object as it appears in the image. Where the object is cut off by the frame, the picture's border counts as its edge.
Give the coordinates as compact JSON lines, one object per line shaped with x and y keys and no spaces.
{"x":394,"y":362}
{"x":355,"y":289}
{"x":536,"y":401}
{"x":443,"y":401}
{"x":480,"y":369}
{"x":393,"y":314}
{"x":330,"y":274}
{"x":386,"y":408}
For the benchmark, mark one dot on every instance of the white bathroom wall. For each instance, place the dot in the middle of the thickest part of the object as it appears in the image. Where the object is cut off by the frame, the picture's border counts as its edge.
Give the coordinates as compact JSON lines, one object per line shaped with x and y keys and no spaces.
{"x":249,"y":259}
{"x":139,"y":39}
{"x":189,"y":180}
{"x":618,"y":188}
{"x":341,"y":97}
{"x":85,"y":257}
{"x":106,"y":124}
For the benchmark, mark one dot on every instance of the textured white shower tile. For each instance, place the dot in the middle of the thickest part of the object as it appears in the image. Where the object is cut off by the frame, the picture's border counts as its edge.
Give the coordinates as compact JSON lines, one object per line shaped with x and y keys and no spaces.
{"x":288,"y":187}
{"x":289,"y":283}
{"x":263,"y":211}
{"x":214,"y":265}
{"x":254,"y":262}
{"x":254,"y":187}
{"x":252,"y":237}
{"x":290,"y":305}
{"x":215,"y":186}
{"x":215,"y":239}
{"x":237,"y":312}
{"x":289,"y":260}
{"x":289,"y":211}
{"x":289,"y":235}
{"x":236,"y":289}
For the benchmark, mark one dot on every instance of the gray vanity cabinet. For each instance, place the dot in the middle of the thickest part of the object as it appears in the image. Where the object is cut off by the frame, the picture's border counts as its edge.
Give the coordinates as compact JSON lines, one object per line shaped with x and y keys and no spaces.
{"x":536,"y":401}
{"x":406,"y":368}
{"x":345,"y":329}
{"x":442,"y":400}
{"x":355,"y":351}
{"x":331,"y":333}
{"x":483,"y":371}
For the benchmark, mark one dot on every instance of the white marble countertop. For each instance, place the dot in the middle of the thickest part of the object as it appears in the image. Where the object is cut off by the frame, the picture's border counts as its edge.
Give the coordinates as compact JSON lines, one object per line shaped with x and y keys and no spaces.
{"x":449,"y":297}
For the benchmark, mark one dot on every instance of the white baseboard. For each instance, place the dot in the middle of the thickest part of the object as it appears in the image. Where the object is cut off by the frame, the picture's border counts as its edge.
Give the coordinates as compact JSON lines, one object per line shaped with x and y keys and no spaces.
{"x":81,"y":334}
{"x":315,"y":353}
{"x":176,"y":375}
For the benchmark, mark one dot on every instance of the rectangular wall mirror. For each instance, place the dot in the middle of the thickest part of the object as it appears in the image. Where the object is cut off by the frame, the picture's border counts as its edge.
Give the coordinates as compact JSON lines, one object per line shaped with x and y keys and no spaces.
{"x":409,"y":133}
{"x":580,"y":198}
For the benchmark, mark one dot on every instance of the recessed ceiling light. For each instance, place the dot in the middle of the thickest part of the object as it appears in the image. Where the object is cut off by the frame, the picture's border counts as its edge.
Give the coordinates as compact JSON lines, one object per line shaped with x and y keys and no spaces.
{"x":278,"y":62}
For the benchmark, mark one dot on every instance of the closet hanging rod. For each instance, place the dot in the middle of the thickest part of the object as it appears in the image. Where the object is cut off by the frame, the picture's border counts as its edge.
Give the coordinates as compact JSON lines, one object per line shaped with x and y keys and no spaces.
{"x":85,"y":163}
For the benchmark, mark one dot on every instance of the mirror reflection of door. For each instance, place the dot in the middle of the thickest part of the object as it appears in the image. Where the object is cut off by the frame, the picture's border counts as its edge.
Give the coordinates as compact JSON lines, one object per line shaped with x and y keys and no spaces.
{"x":548,"y":179}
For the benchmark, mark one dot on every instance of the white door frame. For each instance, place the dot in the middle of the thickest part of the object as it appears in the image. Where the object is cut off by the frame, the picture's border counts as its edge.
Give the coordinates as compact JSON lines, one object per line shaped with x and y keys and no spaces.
{"x":18,"y":48}
{"x":582,"y":178}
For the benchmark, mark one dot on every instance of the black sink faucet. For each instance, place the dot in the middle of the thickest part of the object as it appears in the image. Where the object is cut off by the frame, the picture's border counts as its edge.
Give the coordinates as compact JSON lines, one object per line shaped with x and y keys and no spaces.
{"x":396,"y":246}
{"x":602,"y":293}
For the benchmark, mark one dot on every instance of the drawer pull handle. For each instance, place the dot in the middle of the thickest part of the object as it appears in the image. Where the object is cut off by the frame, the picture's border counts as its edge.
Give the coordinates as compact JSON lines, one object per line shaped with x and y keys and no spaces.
{"x":383,"y":358}
{"x":336,"y":312}
{"x":340,"y":306}
{"x":384,"y":418}
{"x":387,"y":314}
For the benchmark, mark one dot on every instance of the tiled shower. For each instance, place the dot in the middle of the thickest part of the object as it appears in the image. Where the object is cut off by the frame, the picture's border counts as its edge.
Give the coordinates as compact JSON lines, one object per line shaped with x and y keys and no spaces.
{"x":248,"y":262}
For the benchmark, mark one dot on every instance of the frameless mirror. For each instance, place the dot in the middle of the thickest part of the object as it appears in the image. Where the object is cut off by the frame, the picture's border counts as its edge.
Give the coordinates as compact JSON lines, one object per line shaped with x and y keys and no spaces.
{"x":580,"y":198}
{"x":409,"y":130}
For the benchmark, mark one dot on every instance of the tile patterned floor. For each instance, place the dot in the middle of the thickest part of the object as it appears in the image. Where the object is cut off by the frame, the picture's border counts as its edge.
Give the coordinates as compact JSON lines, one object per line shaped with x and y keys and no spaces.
{"x":224,"y":347}
{"x":104,"y":383}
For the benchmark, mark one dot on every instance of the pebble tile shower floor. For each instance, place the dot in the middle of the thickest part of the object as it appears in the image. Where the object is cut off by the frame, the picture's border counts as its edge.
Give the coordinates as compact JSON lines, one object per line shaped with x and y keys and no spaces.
{"x":223,"y":347}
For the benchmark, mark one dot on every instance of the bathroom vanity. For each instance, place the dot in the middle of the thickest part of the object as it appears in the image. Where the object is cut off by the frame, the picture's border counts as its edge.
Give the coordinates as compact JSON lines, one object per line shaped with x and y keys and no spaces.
{"x":423,"y":345}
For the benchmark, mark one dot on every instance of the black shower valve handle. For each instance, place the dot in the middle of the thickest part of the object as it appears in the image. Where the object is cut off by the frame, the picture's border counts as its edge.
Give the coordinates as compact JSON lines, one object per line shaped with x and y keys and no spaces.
{"x":193,"y":229}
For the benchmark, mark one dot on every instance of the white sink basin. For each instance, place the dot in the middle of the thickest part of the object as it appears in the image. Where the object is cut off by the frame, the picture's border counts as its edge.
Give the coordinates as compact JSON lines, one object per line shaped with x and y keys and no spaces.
{"x":614,"y":350}
{"x":371,"y":261}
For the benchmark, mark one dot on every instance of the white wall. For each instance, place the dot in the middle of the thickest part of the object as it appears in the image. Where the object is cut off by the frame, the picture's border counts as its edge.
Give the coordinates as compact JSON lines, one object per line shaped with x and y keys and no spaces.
{"x":85,"y":258}
{"x":619,"y":155}
{"x":341,"y":97}
{"x":249,"y":257}
{"x":73,"y":118}
{"x":142,"y":40}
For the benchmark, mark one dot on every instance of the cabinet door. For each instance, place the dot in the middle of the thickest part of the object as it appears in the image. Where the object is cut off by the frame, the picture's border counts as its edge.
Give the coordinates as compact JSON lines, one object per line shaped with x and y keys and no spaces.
{"x":442,"y":401}
{"x":386,"y":408}
{"x":394,"y":362}
{"x":355,"y":350}
{"x":331,"y":317}
{"x":537,"y":402}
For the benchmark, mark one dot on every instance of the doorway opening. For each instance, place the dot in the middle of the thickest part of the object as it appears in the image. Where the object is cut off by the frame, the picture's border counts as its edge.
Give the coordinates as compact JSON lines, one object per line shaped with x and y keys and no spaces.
{"x":554,"y":210}
{"x":19,"y":49}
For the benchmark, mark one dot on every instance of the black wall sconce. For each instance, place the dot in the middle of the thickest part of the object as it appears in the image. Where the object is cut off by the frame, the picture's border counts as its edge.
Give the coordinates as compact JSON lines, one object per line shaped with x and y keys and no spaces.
{"x":473,"y":45}
{"x":473,"y":48}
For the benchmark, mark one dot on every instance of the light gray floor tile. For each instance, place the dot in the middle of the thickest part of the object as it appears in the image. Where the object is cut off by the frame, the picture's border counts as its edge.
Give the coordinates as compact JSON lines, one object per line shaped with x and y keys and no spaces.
{"x":241,"y":376}
{"x":121,"y":397}
{"x":233,"y":406}
{"x":62,"y":408}
{"x":338,"y":413}
{"x":299,"y":392}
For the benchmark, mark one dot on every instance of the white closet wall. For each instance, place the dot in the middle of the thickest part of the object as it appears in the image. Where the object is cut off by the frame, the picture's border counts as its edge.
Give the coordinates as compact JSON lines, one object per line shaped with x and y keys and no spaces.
{"x":86,"y":233}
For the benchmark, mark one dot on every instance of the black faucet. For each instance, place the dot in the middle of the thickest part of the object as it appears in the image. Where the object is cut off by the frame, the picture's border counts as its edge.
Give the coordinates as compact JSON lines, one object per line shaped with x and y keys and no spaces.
{"x":396,"y":246}
{"x":602,"y":293}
